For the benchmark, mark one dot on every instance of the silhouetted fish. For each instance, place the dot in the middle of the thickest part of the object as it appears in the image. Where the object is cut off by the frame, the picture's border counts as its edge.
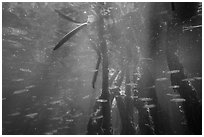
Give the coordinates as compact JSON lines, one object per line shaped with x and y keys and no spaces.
{"x":69,"y":35}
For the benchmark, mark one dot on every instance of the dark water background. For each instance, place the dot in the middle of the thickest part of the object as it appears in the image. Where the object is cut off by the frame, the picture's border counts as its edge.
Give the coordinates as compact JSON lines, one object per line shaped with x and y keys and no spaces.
{"x":49,"y":92}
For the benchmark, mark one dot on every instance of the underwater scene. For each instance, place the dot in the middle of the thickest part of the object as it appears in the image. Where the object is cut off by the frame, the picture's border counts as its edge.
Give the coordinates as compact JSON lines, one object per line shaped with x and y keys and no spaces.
{"x":101,"y":68}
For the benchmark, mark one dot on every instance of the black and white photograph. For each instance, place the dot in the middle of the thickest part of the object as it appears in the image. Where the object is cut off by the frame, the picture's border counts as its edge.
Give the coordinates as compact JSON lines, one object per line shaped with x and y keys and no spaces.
{"x":101,"y":68}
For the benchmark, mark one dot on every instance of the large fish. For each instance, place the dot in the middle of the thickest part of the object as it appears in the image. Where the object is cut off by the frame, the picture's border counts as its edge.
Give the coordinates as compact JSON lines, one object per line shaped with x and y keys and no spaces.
{"x":69,"y":35}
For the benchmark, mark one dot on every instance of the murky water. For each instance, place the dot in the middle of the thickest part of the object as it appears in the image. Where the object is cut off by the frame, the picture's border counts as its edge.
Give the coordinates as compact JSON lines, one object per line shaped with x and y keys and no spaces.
{"x":50,"y":92}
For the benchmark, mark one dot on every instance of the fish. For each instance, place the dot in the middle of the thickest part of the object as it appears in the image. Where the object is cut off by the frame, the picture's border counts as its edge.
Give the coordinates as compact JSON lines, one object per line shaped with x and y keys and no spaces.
{"x":50,"y":108}
{"x":175,"y":86}
{"x":31,"y":86}
{"x":102,"y":100}
{"x":94,"y":70}
{"x":48,"y":133}
{"x":149,"y":106}
{"x":198,"y":78}
{"x":69,"y":120}
{"x":134,"y":96}
{"x":173,"y":95}
{"x":188,"y":79}
{"x":114,"y":87}
{"x":98,"y":117}
{"x":20,"y":91}
{"x":56,"y":118}
{"x":18,"y":80}
{"x":148,"y":59}
{"x":177,"y":100}
{"x":173,"y":71}
{"x":25,"y":70}
{"x":131,"y":84}
{"x":34,"y":96}
{"x":14,"y":114}
{"x":32,"y":115}
{"x":56,"y":102}
{"x":161,"y":79}
{"x":69,"y":35}
{"x":77,"y":115}
{"x":3,"y":99}
{"x":151,"y":87}
{"x":85,"y":97}
{"x":145,"y":99}
{"x":185,"y":28}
